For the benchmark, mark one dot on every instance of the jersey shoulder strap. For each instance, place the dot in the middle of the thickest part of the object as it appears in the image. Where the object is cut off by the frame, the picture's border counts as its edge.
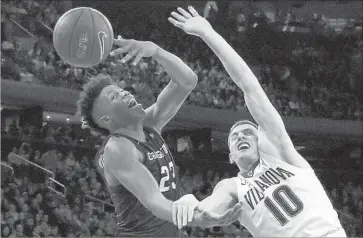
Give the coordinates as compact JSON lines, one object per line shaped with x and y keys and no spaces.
{"x":154,"y":136}
{"x":269,"y":160}
{"x":241,"y":184}
{"x":143,"y":147}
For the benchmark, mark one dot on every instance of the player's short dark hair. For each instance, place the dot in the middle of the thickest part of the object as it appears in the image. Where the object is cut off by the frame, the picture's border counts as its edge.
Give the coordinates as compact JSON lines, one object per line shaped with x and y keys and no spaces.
{"x":241,"y":122}
{"x":91,"y":91}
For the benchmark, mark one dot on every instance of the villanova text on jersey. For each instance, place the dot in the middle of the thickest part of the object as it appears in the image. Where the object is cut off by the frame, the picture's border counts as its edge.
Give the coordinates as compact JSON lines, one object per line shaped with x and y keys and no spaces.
{"x":270,"y":177}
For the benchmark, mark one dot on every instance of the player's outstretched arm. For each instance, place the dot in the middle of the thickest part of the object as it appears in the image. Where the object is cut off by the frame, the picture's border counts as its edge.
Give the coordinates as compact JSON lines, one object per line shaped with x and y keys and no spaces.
{"x":121,"y":160}
{"x":183,"y":79}
{"x":219,"y":209}
{"x":223,"y":198}
{"x":258,"y":104}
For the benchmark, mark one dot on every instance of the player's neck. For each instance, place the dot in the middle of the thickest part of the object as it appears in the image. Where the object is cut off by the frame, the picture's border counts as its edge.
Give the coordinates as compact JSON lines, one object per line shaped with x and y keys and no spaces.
{"x":247,"y":165}
{"x":135,"y":131}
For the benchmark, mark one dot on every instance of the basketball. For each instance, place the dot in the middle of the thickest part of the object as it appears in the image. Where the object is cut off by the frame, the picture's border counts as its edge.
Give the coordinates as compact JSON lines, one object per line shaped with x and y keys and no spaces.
{"x":83,"y":37}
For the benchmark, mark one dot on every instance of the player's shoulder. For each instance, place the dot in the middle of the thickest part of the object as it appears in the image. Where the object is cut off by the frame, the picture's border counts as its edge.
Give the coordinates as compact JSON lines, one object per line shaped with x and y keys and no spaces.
{"x":281,"y":149}
{"x":226,"y":181}
{"x":227,"y":184}
{"x":118,"y":144}
{"x":119,"y":147}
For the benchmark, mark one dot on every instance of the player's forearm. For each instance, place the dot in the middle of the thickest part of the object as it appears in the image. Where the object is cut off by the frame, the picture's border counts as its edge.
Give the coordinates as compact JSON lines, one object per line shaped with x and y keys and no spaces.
{"x":178,"y":71}
{"x":236,"y":67}
{"x":161,"y":208}
{"x":214,"y":204}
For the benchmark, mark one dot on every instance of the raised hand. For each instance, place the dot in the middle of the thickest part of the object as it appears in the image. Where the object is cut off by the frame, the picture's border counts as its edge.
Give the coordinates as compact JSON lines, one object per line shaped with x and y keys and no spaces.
{"x":183,"y":210}
{"x":191,"y":23}
{"x":134,"y":48}
{"x":207,"y":219}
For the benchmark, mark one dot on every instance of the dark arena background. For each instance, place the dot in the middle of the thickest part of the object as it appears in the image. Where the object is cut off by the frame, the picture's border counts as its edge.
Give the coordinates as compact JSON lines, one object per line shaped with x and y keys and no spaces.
{"x":306,"y":54}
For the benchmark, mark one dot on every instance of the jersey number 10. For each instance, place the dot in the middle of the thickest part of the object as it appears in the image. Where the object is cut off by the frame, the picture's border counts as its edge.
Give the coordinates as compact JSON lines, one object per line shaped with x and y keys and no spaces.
{"x":165,"y":172}
{"x":287,"y":200}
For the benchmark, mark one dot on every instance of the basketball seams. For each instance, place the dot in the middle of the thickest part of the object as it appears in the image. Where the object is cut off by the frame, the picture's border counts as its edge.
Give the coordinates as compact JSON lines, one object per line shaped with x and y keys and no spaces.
{"x":70,"y":43}
{"x":62,"y":17}
{"x":109,"y":26}
{"x":55,"y":30}
{"x":94,"y":33}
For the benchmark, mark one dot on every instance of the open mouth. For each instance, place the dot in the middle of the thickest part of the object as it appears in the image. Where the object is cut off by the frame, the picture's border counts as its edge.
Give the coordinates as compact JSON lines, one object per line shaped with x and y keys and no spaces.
{"x":132,"y":103}
{"x":243,"y":146}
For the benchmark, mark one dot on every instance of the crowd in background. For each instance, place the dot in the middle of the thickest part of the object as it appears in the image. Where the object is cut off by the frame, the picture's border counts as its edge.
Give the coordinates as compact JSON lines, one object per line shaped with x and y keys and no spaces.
{"x":52,"y":133}
{"x":30,"y":208}
{"x":316,"y":75}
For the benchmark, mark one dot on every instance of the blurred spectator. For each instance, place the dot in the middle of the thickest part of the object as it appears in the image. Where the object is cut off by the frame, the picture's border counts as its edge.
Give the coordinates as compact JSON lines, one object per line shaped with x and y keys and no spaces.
{"x":13,"y":129}
{"x":5,"y":230}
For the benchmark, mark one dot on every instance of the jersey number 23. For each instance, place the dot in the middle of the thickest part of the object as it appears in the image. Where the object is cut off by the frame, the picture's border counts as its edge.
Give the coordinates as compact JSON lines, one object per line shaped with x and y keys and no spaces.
{"x":166,"y":172}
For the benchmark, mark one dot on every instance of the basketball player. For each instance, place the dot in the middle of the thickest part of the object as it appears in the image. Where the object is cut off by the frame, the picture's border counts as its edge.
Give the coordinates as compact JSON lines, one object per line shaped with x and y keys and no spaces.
{"x":280,"y":192}
{"x":134,"y":160}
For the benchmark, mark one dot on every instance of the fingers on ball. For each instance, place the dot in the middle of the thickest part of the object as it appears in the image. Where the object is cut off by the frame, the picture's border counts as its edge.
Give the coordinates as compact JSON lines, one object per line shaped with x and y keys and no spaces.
{"x":184,"y":13}
{"x":193,"y":11}
{"x":178,"y":17}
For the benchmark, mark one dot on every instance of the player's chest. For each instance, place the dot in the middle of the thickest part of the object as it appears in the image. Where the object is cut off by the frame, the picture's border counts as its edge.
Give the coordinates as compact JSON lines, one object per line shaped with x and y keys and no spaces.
{"x":157,"y":158}
{"x":155,"y":154}
{"x":270,"y":196}
{"x":265,"y":184}
{"x":161,"y":164}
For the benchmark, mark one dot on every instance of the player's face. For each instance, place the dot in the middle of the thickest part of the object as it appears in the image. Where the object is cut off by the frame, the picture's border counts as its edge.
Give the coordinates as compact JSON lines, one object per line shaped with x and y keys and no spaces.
{"x":120,"y":105}
{"x":243,"y":142}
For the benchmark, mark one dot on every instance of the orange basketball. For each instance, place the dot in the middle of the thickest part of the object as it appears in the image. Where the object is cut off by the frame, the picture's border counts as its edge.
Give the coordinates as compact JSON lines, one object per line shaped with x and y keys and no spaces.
{"x":83,"y":37}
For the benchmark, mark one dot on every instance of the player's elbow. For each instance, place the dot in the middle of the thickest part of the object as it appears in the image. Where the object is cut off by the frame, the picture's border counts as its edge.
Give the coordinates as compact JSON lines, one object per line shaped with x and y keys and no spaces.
{"x":194,"y":79}
{"x":191,"y":82}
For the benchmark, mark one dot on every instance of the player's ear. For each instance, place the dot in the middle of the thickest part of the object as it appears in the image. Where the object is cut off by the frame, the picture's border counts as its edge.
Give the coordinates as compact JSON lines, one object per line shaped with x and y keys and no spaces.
{"x":231,"y":160}
{"x":105,"y":121}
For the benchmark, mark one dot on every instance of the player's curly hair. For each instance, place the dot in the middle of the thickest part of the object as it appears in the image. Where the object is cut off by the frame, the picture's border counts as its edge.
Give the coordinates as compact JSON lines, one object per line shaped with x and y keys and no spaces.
{"x":91,"y":91}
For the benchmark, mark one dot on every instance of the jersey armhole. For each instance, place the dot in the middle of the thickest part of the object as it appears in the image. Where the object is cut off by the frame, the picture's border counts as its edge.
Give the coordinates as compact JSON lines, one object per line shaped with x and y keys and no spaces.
{"x":238,"y":182}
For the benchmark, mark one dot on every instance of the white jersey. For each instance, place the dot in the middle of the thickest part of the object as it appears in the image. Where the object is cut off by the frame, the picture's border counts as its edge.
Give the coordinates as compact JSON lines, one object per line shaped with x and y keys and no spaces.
{"x":281,"y":200}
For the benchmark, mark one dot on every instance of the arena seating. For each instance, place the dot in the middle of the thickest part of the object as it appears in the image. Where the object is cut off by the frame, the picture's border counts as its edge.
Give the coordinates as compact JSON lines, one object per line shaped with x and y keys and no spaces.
{"x":312,"y":76}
